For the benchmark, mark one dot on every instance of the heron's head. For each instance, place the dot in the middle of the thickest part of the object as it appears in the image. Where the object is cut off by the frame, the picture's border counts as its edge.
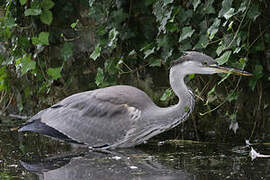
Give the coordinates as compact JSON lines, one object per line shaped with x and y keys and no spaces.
{"x":198,"y":63}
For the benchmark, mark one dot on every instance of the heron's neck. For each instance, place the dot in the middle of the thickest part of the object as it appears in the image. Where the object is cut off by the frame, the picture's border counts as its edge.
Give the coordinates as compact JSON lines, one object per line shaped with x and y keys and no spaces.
{"x":176,"y":114}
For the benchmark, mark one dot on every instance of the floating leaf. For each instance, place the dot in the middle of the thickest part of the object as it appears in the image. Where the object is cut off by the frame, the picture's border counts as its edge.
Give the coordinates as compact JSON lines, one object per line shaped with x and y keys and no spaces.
{"x":96,"y":53}
{"x":55,"y":73}
{"x":186,"y":33}
{"x":46,"y":17}
{"x":253,"y":154}
{"x":47,"y":4}
{"x":224,"y":58}
{"x":32,"y":12}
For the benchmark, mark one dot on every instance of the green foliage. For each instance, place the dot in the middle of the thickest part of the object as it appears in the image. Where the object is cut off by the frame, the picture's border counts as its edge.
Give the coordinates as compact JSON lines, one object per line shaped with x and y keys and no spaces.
{"x":99,"y":77}
{"x":168,"y":93}
{"x":42,"y":39}
{"x":96,"y":53}
{"x":55,"y":73}
{"x":25,"y":64}
{"x":186,"y":33}
{"x":32,"y":12}
{"x":106,"y":39}
{"x":3,"y":78}
{"x":46,"y":17}
{"x":224,"y":58}
{"x":67,"y":50}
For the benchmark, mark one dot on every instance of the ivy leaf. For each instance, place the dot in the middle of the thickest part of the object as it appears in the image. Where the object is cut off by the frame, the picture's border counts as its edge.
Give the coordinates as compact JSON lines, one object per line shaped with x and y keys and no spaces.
{"x":186,"y":33}
{"x":224,"y":58}
{"x":112,"y":37}
{"x":22,"y":2}
{"x":195,"y":4}
{"x":226,"y":6}
{"x":229,"y":13}
{"x":46,"y":17}
{"x":43,"y":38}
{"x":168,"y":93}
{"x":253,"y":12}
{"x":155,"y":63}
{"x":32,"y":12}
{"x":96,"y":53}
{"x":243,"y":6}
{"x":35,"y":40}
{"x":257,"y":74}
{"x":55,"y":73}
{"x":166,"y":53}
{"x":99,"y":77}
{"x":213,"y":29}
{"x":91,"y":2}
{"x":163,"y":13}
{"x":67,"y":50}
{"x":3,"y":76}
{"x":148,"y":52}
{"x":202,"y":43}
{"x":26,"y":64}
{"x":47,"y":4}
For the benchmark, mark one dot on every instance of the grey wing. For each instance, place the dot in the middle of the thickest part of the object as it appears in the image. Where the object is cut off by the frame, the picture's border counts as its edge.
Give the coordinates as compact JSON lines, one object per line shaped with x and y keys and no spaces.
{"x":85,"y":118}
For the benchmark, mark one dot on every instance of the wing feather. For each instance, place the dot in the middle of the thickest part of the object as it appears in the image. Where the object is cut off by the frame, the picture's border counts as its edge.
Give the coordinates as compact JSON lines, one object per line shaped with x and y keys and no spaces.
{"x":92,"y":118}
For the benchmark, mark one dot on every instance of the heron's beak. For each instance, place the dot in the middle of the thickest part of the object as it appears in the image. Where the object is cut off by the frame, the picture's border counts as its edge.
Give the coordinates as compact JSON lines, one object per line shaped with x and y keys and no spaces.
{"x":222,"y":69}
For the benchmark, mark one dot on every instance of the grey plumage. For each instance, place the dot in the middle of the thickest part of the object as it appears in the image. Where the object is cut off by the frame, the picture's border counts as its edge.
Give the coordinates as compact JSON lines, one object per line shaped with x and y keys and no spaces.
{"x":123,"y":116}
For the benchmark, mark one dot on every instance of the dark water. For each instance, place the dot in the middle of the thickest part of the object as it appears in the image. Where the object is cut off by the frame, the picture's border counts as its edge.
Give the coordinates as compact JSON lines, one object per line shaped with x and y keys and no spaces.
{"x":30,"y":156}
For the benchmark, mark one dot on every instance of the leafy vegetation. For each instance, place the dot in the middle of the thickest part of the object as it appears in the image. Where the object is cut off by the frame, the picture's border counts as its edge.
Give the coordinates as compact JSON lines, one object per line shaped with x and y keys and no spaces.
{"x":50,"y":46}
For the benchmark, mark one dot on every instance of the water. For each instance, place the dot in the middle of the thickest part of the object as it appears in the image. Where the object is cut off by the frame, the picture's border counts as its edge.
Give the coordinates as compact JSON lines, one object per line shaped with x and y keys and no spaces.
{"x":31,"y":156}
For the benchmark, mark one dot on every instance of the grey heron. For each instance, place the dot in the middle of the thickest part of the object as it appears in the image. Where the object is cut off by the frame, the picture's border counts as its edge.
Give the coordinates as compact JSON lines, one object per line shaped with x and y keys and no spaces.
{"x":123,"y":116}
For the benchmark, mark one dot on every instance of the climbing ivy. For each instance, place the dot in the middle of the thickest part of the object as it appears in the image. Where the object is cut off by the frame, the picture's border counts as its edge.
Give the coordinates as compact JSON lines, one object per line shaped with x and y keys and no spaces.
{"x":47,"y":43}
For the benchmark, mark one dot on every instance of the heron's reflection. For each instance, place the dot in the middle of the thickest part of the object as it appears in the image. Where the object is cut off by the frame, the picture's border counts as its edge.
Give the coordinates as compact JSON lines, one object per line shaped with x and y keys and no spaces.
{"x":121,"y":165}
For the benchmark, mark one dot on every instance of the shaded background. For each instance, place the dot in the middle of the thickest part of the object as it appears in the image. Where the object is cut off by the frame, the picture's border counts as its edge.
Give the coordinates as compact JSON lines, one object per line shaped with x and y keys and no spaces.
{"x":52,"y":49}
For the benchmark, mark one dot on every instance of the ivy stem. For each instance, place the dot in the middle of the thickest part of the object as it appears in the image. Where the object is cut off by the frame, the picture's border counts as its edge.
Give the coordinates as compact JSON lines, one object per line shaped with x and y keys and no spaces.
{"x":238,"y":29}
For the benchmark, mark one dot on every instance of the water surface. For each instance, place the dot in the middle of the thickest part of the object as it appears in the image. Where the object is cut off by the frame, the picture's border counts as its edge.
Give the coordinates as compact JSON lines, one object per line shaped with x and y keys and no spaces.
{"x":31,"y":156}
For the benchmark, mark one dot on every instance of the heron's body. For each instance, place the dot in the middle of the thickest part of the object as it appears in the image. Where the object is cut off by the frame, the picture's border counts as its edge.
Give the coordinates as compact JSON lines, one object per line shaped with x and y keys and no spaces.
{"x":118,"y":116}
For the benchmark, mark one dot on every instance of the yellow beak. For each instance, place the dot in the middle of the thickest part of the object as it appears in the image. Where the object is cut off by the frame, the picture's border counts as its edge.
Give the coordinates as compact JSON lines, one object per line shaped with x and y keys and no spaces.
{"x":222,"y":69}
